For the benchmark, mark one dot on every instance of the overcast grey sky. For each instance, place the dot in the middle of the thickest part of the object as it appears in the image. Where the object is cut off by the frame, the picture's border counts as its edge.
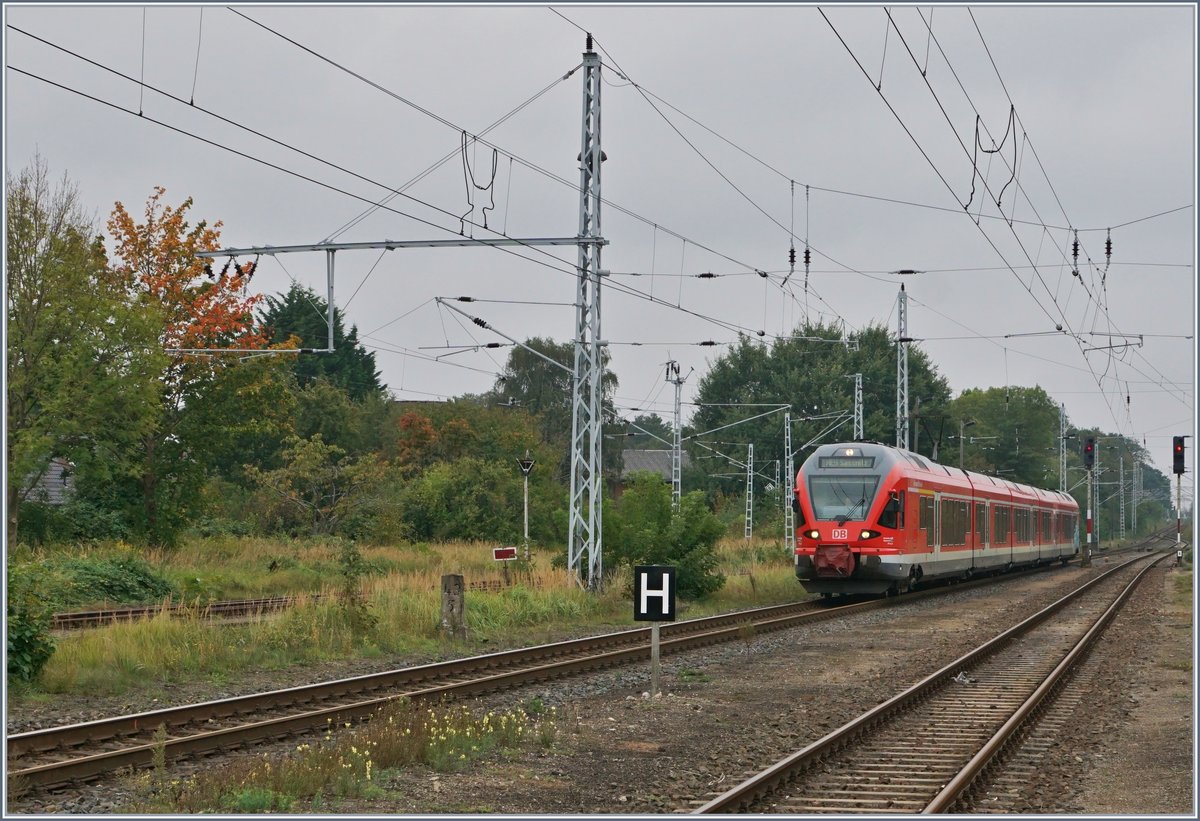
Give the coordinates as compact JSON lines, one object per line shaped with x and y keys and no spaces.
{"x":726,"y":129}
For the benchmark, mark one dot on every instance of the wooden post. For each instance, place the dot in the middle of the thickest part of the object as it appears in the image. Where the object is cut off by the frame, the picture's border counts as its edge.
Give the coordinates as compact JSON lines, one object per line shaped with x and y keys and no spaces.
{"x":454,"y":605}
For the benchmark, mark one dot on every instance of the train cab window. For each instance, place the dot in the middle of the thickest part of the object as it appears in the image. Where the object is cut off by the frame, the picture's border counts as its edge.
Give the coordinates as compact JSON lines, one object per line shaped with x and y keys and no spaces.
{"x":842,"y":498}
{"x":799,"y":511}
{"x":893,"y":512}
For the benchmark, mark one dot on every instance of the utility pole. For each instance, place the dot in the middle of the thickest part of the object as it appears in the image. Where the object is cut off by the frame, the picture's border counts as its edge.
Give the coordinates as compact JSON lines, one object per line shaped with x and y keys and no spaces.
{"x":585,"y":531}
{"x":902,"y":341}
{"x":789,"y":489}
{"x":677,"y":440}
{"x":1062,"y":448}
{"x":1137,"y":493}
{"x":1121,"y":490}
{"x":749,"y":490}
{"x":962,"y":425}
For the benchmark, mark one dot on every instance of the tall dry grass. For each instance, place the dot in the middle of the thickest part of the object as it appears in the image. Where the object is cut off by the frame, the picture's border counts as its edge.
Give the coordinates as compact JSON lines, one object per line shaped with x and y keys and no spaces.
{"x":404,"y":598}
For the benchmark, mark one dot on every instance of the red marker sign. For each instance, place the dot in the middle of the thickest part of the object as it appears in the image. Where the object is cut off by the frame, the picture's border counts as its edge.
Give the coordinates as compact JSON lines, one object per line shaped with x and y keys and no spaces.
{"x":504,"y":554}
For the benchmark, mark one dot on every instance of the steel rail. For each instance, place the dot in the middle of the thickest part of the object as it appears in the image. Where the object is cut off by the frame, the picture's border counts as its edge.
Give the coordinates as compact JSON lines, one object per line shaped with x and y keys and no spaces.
{"x":753,"y":789}
{"x":945,"y":800}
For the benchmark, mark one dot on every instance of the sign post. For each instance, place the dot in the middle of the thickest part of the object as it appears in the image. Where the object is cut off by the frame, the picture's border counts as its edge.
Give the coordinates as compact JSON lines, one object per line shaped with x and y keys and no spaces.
{"x":526,"y":466}
{"x":506,"y":555}
{"x":654,"y":601}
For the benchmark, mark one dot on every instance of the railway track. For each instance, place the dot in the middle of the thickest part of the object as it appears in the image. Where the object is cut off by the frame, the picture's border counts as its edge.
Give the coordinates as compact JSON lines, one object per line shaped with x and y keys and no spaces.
{"x":235,"y":608}
{"x":934,"y":746}
{"x":228,"y":609}
{"x":60,"y":756}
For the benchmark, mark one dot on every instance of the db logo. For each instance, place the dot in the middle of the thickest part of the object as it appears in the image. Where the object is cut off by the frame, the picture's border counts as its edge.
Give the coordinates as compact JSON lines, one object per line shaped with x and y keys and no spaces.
{"x":840,"y":533}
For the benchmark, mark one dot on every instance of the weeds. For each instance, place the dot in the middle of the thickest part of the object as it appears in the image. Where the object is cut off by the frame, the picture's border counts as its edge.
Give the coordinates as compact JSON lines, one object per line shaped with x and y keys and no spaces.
{"x":343,"y":764}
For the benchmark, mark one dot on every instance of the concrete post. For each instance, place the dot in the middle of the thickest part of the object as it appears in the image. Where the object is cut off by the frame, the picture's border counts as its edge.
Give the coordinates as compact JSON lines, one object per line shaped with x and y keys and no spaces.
{"x":454,"y":606}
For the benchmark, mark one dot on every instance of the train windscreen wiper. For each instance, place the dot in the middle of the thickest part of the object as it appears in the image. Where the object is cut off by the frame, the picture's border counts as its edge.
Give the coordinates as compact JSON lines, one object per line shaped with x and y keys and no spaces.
{"x":849,"y":514}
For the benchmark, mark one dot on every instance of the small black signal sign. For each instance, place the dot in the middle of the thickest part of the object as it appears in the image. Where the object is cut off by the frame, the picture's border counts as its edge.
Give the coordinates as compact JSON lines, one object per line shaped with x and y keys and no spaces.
{"x":653,"y":593}
{"x":1177,"y":455}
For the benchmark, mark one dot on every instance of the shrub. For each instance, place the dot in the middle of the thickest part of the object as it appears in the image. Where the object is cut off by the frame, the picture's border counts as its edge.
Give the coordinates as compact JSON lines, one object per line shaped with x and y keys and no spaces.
{"x":121,"y":578}
{"x":29,"y":642}
{"x":641,"y":528}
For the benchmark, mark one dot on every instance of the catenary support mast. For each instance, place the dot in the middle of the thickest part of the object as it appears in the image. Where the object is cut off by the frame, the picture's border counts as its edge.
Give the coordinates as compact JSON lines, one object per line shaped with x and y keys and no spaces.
{"x":585,"y":544}
{"x":789,"y":486}
{"x":902,"y":370}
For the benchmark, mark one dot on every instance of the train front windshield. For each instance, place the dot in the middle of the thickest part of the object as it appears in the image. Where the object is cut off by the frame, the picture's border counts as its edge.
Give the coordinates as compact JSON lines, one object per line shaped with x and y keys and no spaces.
{"x":842,"y":497}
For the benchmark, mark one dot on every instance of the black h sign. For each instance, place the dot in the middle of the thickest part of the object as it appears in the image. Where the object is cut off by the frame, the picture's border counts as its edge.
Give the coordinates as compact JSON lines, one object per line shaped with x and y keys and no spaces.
{"x":653,"y":593}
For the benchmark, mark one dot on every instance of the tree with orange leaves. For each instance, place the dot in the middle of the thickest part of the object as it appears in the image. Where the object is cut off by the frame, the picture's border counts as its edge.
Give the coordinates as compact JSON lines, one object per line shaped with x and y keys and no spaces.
{"x":157,"y":264}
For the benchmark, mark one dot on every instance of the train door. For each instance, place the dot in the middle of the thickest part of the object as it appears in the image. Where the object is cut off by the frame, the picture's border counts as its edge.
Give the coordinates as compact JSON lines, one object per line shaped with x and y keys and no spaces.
{"x":925,"y":537}
{"x":936,"y":532}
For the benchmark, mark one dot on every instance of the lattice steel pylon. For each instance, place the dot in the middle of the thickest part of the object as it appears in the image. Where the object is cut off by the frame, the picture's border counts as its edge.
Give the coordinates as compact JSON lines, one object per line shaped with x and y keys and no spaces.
{"x":1062,"y":448}
{"x":789,"y":487}
{"x":677,"y":439}
{"x":749,"y":490}
{"x":902,"y":370}
{"x":584,"y":536}
{"x":858,"y":408}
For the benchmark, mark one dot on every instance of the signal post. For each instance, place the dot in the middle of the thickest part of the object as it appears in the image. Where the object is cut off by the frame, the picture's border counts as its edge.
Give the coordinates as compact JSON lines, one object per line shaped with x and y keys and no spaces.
{"x":1177,"y":457}
{"x":1089,"y":462}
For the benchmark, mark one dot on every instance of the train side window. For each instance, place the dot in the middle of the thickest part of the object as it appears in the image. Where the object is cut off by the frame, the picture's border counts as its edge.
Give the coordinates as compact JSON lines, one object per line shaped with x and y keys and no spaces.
{"x":893,"y":512}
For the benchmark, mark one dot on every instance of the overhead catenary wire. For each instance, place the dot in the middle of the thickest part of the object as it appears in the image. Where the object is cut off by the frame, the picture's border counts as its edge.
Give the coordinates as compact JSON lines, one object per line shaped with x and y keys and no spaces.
{"x":562,"y":268}
{"x":950,"y":188}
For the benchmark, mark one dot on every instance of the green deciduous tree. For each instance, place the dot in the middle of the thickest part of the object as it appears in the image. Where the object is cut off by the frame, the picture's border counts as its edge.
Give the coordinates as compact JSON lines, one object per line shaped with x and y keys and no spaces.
{"x":641,"y":528}
{"x":318,"y":483}
{"x":1015,"y":434}
{"x":81,"y":355}
{"x":545,"y":390}
{"x":812,"y":371}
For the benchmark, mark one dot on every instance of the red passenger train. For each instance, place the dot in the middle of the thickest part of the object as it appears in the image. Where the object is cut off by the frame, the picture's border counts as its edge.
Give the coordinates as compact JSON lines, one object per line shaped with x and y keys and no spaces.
{"x":877,"y":519}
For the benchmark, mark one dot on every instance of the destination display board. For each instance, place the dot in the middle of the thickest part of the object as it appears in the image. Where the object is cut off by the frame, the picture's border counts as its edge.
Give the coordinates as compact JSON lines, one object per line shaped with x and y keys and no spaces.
{"x":847,"y":462}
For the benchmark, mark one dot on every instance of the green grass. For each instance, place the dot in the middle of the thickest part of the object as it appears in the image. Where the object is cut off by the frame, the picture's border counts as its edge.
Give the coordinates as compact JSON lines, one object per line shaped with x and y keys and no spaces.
{"x":147,"y":656}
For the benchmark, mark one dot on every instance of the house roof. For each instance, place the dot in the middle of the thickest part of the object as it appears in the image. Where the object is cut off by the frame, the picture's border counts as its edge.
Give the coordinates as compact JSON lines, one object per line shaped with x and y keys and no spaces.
{"x":658,"y":461}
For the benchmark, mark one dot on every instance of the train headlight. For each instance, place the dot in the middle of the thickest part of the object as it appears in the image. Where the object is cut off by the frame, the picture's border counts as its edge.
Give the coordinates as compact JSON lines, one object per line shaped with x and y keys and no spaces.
{"x":868,"y":534}
{"x":812,"y":534}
